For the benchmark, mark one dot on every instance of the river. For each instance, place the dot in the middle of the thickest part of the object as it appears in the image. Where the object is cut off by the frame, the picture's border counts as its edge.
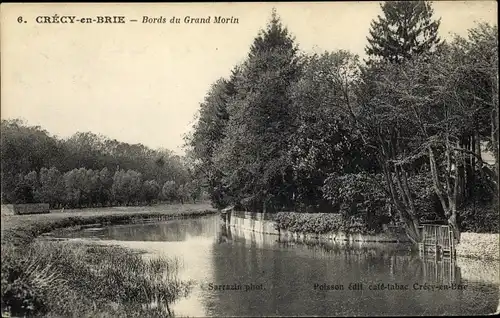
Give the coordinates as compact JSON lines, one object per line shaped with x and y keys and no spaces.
{"x":240,"y":273}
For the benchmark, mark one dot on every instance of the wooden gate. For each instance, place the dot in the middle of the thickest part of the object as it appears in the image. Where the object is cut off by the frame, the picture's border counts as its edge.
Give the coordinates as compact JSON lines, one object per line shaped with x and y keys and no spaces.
{"x":437,"y":239}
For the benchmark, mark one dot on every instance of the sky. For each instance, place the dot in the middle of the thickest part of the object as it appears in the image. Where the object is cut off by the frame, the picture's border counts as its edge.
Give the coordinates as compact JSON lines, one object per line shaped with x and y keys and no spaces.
{"x":142,"y":83}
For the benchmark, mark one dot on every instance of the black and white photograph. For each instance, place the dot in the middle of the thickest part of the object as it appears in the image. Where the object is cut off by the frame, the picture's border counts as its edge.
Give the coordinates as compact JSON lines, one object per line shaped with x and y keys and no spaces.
{"x":249,"y":159}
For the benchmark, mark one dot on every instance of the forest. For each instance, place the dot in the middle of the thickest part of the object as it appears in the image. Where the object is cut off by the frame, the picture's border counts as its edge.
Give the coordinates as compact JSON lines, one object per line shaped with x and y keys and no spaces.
{"x":88,"y":170}
{"x":394,"y":138}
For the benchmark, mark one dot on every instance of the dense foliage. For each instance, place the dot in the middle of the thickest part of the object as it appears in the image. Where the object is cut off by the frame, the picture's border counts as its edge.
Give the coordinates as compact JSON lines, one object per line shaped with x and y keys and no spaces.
{"x":319,"y":223}
{"x":360,"y":196}
{"x":87,"y":170}
{"x":256,"y":169}
{"x":310,"y":223}
{"x":397,"y":140}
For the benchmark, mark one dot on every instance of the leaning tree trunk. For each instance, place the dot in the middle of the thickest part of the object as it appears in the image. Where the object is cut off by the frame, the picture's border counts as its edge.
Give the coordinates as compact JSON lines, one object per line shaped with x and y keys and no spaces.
{"x":448,"y":193}
{"x":403,"y":205}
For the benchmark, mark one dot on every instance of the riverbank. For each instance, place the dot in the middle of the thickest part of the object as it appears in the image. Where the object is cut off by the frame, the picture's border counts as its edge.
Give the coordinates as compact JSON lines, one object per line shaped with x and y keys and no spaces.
{"x":22,"y":229}
{"x":55,"y":278}
{"x":483,"y":246}
{"x":330,"y":227}
{"x":309,"y":226}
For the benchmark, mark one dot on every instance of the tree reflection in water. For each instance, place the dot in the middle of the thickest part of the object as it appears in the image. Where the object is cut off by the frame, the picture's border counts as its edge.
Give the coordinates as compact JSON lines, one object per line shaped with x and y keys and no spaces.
{"x":288,"y":270}
{"x":225,"y":235}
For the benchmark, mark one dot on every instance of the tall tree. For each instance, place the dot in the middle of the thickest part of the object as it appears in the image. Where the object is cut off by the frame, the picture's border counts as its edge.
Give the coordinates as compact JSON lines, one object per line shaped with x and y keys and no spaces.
{"x":208,"y":133}
{"x":406,"y":28}
{"x":424,"y":108}
{"x":383,"y":127}
{"x":150,"y":191}
{"x":481,"y":51}
{"x":73,"y":186}
{"x":121,"y":187}
{"x":51,"y":186}
{"x":169,"y":191}
{"x":322,"y":143}
{"x":253,"y":156}
{"x":105,"y":184}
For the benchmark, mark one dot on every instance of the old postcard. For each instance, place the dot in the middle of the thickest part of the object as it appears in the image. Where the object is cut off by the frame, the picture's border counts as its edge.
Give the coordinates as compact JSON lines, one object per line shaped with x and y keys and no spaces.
{"x":249,"y":159}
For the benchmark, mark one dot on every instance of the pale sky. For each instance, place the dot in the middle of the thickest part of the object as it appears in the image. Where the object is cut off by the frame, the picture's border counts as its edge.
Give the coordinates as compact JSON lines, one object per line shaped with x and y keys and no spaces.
{"x":142,"y":83}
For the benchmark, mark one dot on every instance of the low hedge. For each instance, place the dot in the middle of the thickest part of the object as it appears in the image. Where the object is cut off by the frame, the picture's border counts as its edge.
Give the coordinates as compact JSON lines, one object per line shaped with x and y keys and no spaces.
{"x":320,"y":223}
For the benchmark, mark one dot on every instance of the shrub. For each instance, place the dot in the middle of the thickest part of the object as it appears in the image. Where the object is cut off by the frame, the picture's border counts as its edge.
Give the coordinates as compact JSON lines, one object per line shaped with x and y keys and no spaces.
{"x":361,"y":200}
{"x":426,"y":201}
{"x":320,"y":223}
{"x":481,"y":218}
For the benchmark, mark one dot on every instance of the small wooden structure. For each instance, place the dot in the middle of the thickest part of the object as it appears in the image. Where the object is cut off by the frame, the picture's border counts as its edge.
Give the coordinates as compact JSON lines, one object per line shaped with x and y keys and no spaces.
{"x":226,"y":214}
{"x":437,"y":239}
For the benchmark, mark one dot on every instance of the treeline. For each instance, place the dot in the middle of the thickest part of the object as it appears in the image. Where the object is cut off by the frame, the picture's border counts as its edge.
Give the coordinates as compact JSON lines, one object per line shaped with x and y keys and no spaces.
{"x":398,"y":138}
{"x":88,"y":170}
{"x":92,"y":188}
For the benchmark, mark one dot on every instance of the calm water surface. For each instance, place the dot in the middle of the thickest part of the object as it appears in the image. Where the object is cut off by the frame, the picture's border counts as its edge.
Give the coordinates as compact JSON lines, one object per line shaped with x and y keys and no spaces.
{"x":288,"y":278}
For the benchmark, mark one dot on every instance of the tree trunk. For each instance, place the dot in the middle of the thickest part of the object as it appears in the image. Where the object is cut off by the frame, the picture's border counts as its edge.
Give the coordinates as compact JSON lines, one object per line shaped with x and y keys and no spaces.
{"x":453,"y":223}
{"x":447,"y":199}
{"x":495,"y":121}
{"x":405,"y":209}
{"x":449,"y":195}
{"x":405,"y":213}
{"x":470,"y":167}
{"x":494,"y":137}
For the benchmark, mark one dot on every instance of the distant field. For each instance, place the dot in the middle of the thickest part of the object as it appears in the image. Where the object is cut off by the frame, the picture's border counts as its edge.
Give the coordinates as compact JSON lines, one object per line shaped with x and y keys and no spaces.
{"x":13,"y":221}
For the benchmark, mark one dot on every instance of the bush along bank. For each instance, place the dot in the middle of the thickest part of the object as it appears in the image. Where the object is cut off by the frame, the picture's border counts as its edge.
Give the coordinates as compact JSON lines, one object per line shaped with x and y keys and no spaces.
{"x":322,"y":223}
{"x":334,"y":225}
{"x":46,"y":278}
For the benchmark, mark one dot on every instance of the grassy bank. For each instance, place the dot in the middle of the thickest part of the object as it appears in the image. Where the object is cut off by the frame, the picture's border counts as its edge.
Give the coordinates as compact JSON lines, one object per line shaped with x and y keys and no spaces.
{"x":41,"y":278}
{"x":483,"y":246}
